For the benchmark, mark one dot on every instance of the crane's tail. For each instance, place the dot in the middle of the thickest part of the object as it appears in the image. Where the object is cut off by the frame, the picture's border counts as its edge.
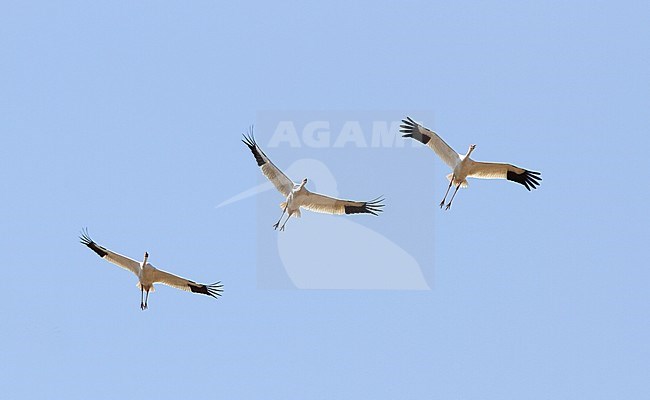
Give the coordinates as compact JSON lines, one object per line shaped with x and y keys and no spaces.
{"x":151,"y":289}
{"x":464,"y":184}
{"x":294,"y":214}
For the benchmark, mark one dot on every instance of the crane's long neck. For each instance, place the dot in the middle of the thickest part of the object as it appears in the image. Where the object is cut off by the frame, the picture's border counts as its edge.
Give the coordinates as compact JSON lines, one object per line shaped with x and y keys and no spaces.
{"x":146,"y":256}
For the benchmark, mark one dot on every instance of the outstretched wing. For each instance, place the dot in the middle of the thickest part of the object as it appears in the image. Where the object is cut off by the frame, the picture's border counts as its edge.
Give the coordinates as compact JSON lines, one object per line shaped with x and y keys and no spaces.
{"x":177,"y":282}
{"x":488,"y":170}
{"x":329,"y":205}
{"x":416,"y":131}
{"x":273,"y":173}
{"x":108,"y":255}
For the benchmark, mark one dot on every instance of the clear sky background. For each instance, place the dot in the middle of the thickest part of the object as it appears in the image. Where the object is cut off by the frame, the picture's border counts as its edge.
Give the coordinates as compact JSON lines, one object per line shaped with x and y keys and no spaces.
{"x":126,"y":117}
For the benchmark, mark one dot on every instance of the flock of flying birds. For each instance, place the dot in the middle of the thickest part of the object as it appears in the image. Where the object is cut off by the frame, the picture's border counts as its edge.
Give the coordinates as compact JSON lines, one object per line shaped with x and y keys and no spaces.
{"x":297,"y":196}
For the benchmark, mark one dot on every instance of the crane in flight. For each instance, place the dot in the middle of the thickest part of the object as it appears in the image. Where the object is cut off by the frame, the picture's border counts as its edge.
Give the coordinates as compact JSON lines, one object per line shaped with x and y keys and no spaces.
{"x":147,"y":274}
{"x":297,"y":196}
{"x":463,"y":166}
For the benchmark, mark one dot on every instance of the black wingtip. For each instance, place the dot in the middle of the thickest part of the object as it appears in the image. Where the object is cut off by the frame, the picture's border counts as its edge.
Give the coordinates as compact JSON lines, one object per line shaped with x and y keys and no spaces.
{"x":529,"y":179}
{"x":373,"y":207}
{"x":85,"y":239}
{"x":410,"y":129}
{"x":249,"y":140}
{"x":214,"y":290}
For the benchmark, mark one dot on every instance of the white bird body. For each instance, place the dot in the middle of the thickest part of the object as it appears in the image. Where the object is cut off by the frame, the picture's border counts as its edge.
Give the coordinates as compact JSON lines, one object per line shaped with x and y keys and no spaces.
{"x":461,"y":170}
{"x":295,"y":200}
{"x":463,"y":166}
{"x":146,"y":277}
{"x":148,"y":274}
{"x":297,"y":196}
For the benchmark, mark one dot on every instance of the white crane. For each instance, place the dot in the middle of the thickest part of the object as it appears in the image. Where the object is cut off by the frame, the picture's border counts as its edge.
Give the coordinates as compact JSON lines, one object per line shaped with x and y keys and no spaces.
{"x":463,"y":166}
{"x":298,"y":196}
{"x":148,"y":275}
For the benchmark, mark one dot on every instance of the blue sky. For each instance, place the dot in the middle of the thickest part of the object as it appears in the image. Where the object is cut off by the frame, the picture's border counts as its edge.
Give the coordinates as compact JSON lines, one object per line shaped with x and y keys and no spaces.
{"x":125,"y":117}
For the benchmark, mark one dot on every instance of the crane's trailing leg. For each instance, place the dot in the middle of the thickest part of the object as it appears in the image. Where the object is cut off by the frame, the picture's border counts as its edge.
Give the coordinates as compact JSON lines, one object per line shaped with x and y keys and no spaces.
{"x":146,"y":300}
{"x":285,"y":222}
{"x":452,"y":197}
{"x":275,"y":226}
{"x":442,"y":203}
{"x":142,"y":307}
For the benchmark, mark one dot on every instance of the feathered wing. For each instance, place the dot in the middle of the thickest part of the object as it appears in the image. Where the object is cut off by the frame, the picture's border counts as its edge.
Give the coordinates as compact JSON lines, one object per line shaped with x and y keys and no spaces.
{"x":110,"y":256}
{"x":329,"y":205}
{"x":177,"y":282}
{"x":412,"y":129}
{"x":273,"y":173}
{"x":488,"y":170}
